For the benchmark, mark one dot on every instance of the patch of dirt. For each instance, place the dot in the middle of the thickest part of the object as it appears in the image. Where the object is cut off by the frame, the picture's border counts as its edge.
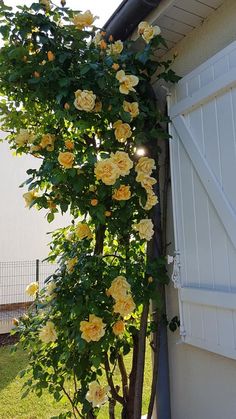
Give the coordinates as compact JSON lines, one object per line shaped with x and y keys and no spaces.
{"x":7,"y":339}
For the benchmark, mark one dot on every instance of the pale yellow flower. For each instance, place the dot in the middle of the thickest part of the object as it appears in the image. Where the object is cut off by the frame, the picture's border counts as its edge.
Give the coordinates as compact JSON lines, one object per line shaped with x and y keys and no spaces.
{"x":149,"y":33}
{"x":83,"y":20}
{"x":97,"y":395}
{"x":152,"y":200}
{"x":145,"y":165}
{"x":83,"y":231}
{"x":29,"y":197}
{"x":24,"y":137}
{"x":119,"y":288}
{"x":93,"y":329}
{"x":47,"y":141}
{"x":48,"y":333}
{"x":145,"y":229}
{"x":122,"y":194}
{"x":132,"y":108}
{"x":124,"y":306}
{"x":142,"y":26}
{"x":106,"y":171}
{"x":127,"y":82}
{"x":32,"y":289}
{"x":118,"y":328}
{"x":122,"y":131}
{"x":123,"y":162}
{"x":84,"y":100}
{"x":146,"y":181}
{"x":66,"y":159}
{"x":70,"y":264}
{"x":116,"y":48}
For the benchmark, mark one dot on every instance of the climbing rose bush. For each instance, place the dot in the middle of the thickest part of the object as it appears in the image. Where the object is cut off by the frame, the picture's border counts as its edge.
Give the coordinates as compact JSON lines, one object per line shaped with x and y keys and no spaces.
{"x":81,"y":103}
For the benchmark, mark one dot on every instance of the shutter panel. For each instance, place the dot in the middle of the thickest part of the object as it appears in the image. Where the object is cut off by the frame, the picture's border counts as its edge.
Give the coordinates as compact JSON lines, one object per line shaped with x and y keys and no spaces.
{"x":202,"y":108}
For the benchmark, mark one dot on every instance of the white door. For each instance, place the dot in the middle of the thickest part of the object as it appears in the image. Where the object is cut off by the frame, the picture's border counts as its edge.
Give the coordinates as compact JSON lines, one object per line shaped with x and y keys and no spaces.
{"x":203,"y":169}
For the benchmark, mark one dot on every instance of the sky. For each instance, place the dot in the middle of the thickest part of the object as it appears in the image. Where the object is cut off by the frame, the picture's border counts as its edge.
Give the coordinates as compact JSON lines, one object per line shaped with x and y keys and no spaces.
{"x":101,"y":8}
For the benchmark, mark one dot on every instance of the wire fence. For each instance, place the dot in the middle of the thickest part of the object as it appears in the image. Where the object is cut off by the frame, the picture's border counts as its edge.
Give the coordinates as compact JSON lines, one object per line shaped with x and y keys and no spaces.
{"x":14,"y":278}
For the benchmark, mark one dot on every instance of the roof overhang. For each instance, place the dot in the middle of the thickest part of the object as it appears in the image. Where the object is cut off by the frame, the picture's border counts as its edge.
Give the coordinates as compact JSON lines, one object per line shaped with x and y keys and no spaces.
{"x":176,"y":18}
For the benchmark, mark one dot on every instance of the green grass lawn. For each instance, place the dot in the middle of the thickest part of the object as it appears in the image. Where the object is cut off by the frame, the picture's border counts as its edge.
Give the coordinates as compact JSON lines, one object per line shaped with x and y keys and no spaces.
{"x":32,"y":407}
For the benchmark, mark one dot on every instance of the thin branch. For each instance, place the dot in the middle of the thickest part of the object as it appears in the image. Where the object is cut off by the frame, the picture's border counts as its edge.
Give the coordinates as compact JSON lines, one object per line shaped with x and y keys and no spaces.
{"x":114,"y":393}
{"x":71,"y":402}
{"x":124,"y":377}
{"x":156,"y":350}
{"x":112,"y":404}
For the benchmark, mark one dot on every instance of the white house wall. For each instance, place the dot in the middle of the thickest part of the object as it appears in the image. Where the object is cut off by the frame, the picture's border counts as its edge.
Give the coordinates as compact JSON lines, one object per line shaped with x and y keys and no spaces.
{"x":202,"y":383}
{"x":23,"y":232}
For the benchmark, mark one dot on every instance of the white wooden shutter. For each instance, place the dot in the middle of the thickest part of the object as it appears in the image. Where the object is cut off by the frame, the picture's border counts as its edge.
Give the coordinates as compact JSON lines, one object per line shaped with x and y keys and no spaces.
{"x":203,"y":169}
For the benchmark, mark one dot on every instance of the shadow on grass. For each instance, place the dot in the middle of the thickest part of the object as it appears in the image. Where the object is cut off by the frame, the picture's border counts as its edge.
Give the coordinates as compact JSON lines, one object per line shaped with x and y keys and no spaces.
{"x":11,"y":364}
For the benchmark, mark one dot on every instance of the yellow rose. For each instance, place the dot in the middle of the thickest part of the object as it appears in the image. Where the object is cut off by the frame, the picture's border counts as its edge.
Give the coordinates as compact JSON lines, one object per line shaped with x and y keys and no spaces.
{"x":32,"y":289}
{"x":93,"y":329}
{"x":84,"y":100}
{"x":146,"y":181}
{"x":24,"y":137}
{"x":48,"y":333}
{"x":119,"y":328}
{"x":142,"y":26}
{"x":47,"y":141}
{"x":70,"y":264}
{"x":127,"y":82}
{"x":119,"y":288}
{"x":83,"y":231}
{"x":69,"y":144}
{"x":51,"y":56}
{"x":116,"y":48}
{"x":132,"y":108}
{"x":15,"y":322}
{"x":145,"y":229}
{"x":122,"y":194}
{"x":149,"y":33}
{"x":122,"y":131}
{"x":152,"y":200}
{"x":106,"y":171}
{"x":108,"y":213}
{"x":145,"y":165}
{"x":97,"y":395}
{"x":82,"y":20}
{"x":29,"y":197}
{"x":66,"y":159}
{"x":124,"y":306}
{"x":123,"y":162}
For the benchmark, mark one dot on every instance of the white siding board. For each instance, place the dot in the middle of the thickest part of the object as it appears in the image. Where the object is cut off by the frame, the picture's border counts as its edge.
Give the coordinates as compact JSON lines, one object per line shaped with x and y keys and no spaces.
{"x":196,"y":127}
{"x":184,"y":16}
{"x":227,"y":145}
{"x":220,"y":67}
{"x":193,"y":6}
{"x":174,"y":25}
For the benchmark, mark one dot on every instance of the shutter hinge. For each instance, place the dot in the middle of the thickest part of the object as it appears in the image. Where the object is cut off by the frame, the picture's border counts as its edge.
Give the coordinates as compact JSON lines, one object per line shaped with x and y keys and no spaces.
{"x":175,"y":277}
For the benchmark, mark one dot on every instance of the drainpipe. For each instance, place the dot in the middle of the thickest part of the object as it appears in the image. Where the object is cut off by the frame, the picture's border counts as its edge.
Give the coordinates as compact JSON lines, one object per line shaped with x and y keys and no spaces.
{"x":127,"y":16}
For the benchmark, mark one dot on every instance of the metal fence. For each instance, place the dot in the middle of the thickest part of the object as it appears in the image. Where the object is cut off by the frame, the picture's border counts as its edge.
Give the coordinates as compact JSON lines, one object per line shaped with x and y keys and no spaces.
{"x":14,"y":278}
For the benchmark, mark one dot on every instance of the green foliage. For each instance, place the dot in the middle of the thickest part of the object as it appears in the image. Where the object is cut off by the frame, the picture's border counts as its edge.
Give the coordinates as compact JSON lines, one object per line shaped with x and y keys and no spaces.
{"x":46,"y":64}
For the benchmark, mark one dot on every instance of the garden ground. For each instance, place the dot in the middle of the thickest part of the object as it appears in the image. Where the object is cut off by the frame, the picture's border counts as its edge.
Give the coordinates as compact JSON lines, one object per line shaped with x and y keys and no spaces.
{"x":32,"y":407}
